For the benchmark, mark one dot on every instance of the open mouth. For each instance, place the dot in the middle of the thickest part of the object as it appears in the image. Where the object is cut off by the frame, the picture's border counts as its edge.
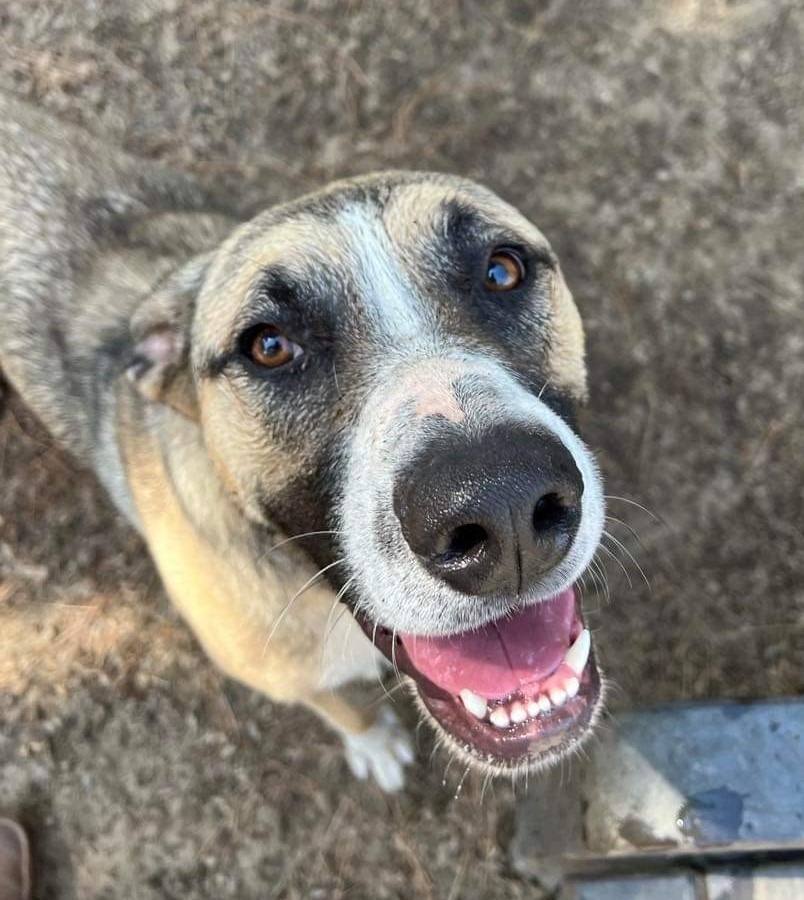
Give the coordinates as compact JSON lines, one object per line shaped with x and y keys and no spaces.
{"x":522,"y":690}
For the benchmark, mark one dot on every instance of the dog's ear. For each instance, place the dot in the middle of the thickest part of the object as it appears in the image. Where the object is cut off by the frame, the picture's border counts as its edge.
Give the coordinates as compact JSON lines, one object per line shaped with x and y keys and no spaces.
{"x":160,"y":364}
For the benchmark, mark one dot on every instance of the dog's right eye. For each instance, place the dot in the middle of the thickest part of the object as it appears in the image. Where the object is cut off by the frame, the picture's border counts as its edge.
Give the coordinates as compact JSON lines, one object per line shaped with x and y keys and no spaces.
{"x":268,"y":347}
{"x":505,"y":270}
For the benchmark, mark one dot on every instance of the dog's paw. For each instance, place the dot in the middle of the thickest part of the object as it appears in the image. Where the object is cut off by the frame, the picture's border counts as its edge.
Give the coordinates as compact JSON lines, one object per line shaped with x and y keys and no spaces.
{"x":382,"y":752}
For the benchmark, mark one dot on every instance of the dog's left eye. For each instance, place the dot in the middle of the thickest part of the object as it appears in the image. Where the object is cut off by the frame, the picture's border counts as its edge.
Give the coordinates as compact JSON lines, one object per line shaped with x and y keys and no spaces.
{"x":269,"y":348}
{"x":505,"y":270}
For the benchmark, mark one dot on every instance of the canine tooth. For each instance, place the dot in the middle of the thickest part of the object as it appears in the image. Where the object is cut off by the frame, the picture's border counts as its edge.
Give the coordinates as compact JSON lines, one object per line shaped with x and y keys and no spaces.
{"x":534,"y":708}
{"x":578,"y":654}
{"x":558,"y":697}
{"x":499,"y":718}
{"x":572,"y":686}
{"x":544,"y":703}
{"x":474,"y":703}
{"x":518,"y":713}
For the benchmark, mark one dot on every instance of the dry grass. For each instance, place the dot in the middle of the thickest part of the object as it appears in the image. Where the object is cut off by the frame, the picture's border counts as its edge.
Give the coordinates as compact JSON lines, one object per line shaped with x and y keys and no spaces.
{"x":662,"y":155}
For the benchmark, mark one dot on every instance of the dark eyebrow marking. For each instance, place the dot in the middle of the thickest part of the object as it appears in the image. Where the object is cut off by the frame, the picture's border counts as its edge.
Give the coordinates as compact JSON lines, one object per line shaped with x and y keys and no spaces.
{"x":213,"y":366}
{"x":273,"y":287}
{"x":278,"y":285}
{"x":274,"y":291}
{"x":462,"y":221}
{"x":279,"y":297}
{"x":467,"y":228}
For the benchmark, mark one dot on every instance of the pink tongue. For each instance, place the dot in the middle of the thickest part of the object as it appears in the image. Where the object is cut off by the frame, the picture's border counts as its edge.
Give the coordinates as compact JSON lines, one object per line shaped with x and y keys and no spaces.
{"x":501,"y":657}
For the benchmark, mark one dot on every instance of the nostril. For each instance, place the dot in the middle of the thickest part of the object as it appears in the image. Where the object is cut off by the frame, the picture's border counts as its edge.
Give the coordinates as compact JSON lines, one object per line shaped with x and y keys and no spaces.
{"x":464,"y":541}
{"x":550,"y":513}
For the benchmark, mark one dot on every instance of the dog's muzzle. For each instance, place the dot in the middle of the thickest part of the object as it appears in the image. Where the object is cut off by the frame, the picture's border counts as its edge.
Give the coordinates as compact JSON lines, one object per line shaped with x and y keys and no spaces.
{"x":470,"y":511}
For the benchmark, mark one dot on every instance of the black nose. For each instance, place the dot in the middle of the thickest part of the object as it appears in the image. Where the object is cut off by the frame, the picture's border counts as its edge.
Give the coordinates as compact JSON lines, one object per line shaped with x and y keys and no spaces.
{"x":491,"y":514}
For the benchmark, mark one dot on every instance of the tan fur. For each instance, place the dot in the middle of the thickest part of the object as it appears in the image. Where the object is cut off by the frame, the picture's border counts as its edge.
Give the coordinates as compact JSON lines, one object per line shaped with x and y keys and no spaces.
{"x":294,"y":245}
{"x":236,"y":604}
{"x":566,"y":360}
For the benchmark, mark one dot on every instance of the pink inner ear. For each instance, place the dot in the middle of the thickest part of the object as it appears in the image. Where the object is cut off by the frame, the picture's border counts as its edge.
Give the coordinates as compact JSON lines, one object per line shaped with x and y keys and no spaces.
{"x":160,"y":346}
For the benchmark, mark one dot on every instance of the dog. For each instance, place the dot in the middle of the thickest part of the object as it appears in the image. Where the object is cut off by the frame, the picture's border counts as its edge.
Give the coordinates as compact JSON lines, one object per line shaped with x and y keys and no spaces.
{"x":363,"y":400}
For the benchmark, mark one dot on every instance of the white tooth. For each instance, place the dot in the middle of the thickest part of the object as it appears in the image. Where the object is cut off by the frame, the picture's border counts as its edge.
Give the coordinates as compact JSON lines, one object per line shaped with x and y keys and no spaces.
{"x":499,"y":718}
{"x":572,"y":686}
{"x":534,"y":709}
{"x":578,"y":654}
{"x":518,"y":713}
{"x":476,"y":705}
{"x":557,"y":697}
{"x":544,"y":703}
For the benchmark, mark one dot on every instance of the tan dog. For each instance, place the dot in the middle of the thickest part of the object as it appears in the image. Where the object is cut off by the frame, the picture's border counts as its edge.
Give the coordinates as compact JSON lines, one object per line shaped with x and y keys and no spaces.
{"x":366,"y":395}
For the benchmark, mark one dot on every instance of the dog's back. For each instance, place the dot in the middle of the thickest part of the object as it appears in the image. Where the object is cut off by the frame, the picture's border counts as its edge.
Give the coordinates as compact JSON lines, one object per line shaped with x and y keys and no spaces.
{"x":84,"y":232}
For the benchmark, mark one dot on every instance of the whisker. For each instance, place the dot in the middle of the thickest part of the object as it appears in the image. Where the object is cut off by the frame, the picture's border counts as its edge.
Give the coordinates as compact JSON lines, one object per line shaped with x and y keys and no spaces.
{"x":330,"y":628}
{"x":306,"y":586}
{"x":486,"y":780}
{"x":619,"y":563}
{"x":298,"y":537}
{"x":433,"y":752}
{"x":393,"y":654}
{"x":309,"y":583}
{"x":626,"y":525}
{"x":345,"y":641}
{"x":634,"y":503}
{"x":349,"y":582}
{"x":630,"y":555}
{"x":379,"y":674}
{"x":593,"y":573}
{"x":327,"y":632}
{"x":604,"y":577}
{"x":600,"y":577}
{"x":389,"y":692}
{"x":582,"y":583}
{"x":335,"y":624}
{"x":450,"y":761}
{"x":460,"y":783}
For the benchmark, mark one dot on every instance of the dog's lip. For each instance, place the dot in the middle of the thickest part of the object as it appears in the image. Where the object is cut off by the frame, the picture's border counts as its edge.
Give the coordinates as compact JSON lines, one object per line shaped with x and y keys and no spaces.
{"x":528,"y":743}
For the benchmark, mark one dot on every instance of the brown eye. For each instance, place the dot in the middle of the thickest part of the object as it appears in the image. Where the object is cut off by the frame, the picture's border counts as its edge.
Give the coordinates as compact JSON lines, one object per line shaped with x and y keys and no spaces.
{"x":267,"y":347}
{"x":505,"y":271}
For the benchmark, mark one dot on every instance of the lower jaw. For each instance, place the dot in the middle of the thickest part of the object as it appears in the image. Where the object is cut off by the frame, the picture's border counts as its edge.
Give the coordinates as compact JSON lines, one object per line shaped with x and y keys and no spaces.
{"x":532,"y":744}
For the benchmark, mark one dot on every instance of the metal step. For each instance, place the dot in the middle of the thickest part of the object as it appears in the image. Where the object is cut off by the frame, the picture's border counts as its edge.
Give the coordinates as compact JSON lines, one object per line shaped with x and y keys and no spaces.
{"x":704,"y":801}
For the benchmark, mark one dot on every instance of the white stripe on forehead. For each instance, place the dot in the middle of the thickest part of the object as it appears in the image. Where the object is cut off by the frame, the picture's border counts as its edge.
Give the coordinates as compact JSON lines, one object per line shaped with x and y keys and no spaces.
{"x":389,"y":300}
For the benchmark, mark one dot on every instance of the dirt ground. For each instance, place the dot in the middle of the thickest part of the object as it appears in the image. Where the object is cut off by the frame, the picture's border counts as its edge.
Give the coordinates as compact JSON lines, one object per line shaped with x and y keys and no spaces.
{"x":660,"y":148}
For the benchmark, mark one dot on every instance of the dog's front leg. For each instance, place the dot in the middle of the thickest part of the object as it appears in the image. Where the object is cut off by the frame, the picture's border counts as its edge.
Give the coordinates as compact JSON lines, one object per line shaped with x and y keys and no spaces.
{"x":296,"y":661}
{"x":293,"y":660}
{"x":257,"y":632}
{"x":285,"y":664}
{"x":376,"y":743}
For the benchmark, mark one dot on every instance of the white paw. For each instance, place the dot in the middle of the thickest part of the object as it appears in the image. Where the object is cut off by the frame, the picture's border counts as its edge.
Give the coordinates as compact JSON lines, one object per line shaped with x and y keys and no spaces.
{"x":382,"y":752}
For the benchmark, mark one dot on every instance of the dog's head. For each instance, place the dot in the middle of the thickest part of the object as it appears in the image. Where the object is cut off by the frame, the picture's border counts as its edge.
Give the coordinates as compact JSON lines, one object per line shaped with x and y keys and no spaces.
{"x":397,"y":361}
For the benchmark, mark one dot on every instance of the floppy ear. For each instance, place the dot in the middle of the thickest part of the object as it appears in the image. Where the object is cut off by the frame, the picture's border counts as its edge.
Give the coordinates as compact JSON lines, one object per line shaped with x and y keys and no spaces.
{"x":568,"y":346}
{"x":160,"y":363}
